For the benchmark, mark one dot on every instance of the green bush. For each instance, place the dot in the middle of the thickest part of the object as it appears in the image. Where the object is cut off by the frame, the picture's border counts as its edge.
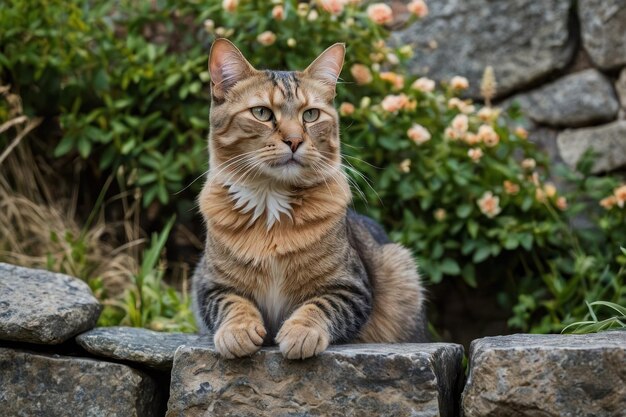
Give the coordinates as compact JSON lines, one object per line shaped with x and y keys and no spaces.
{"x":460,"y":185}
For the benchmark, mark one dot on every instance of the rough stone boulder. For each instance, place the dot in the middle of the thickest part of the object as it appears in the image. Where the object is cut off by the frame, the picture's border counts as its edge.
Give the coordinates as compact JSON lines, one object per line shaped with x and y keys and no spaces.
{"x":620,"y":87}
{"x":608,"y":141}
{"x":38,"y":306}
{"x":352,"y":380}
{"x":547,"y":375}
{"x":579,"y":99}
{"x":524,"y":40}
{"x":146,"y":347}
{"x":603,"y":27}
{"x":52,"y":385}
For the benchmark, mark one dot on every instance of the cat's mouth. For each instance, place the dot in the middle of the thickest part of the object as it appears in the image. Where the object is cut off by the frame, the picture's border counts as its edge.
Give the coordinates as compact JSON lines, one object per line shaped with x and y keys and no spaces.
{"x":288,"y":160}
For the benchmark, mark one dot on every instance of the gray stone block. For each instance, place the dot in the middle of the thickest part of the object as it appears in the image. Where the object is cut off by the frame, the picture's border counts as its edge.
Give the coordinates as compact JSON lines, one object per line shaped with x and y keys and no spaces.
{"x":523,"y":40}
{"x":547,"y":375}
{"x":579,"y":99}
{"x":603,"y":28}
{"x":146,"y":347}
{"x":608,"y":141}
{"x":33,"y":384}
{"x":351,"y":380}
{"x":39,"y":306}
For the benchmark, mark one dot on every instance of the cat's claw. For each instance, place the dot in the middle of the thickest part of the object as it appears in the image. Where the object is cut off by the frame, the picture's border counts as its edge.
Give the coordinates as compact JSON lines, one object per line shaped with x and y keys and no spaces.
{"x":239,"y":339}
{"x":300,"y":342}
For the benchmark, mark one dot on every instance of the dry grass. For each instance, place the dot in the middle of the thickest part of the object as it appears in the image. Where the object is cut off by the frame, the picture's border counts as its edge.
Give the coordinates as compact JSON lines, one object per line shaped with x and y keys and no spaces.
{"x":38,"y":226}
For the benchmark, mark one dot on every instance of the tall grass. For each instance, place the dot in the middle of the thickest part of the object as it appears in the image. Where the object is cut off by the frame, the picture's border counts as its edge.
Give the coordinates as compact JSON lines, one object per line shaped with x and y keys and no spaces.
{"x":40,"y":228}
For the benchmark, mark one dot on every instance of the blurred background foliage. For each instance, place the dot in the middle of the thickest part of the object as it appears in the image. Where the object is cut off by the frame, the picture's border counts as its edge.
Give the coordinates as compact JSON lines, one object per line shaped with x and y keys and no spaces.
{"x":104,"y":120}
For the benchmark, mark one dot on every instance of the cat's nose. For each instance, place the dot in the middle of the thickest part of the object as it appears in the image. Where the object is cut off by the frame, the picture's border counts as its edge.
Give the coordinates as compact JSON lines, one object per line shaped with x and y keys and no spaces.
{"x":293,"y":142}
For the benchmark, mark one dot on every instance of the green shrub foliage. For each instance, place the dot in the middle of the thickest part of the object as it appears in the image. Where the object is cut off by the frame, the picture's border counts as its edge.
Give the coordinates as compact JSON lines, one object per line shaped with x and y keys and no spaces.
{"x":458,"y":183}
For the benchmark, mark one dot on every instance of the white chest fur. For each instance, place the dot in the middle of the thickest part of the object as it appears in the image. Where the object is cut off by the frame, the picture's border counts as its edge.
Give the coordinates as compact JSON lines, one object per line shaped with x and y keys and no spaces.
{"x":261,"y":198}
{"x":270,"y":297}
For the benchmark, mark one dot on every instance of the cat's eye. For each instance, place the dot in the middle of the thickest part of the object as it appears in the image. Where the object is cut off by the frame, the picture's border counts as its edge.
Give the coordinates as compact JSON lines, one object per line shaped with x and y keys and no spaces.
{"x":261,"y":113}
{"x":311,"y":115}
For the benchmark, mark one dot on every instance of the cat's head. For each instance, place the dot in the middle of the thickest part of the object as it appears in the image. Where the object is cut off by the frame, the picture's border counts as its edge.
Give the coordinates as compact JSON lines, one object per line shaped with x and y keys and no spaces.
{"x":269,"y":125}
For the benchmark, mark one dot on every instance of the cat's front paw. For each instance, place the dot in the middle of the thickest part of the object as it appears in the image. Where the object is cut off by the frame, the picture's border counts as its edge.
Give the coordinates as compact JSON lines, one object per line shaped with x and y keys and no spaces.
{"x":298,"y":341}
{"x":238,"y":339}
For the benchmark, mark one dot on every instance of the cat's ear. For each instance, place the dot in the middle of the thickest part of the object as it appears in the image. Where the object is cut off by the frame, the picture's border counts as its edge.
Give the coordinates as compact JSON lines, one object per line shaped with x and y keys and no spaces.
{"x":327,"y":66}
{"x":227,"y":67}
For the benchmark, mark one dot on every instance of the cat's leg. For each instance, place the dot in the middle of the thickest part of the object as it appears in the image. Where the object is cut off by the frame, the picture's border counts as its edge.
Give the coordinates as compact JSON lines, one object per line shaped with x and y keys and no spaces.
{"x":335,"y":317}
{"x":235,"y":321}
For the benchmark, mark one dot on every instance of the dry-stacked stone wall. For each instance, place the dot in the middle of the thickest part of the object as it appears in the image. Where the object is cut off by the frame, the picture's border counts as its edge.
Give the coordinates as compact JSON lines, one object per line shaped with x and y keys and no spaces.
{"x":52,"y":363}
{"x":562,"y":61}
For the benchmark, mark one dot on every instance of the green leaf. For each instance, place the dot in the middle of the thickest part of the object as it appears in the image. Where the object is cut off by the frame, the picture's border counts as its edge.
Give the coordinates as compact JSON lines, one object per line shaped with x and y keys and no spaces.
{"x":481,"y":254}
{"x":66,"y":145}
{"x":450,"y":267}
{"x":464,"y":210}
{"x":469,"y":275}
{"x":472,"y":228}
{"x":526,"y":239}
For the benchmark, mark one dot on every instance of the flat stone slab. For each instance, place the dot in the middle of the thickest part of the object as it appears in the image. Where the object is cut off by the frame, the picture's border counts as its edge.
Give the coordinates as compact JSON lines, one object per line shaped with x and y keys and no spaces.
{"x":351,"y":380}
{"x":38,"y":306}
{"x":523,"y":40}
{"x":52,"y":385}
{"x":147,"y":347}
{"x":608,"y":141}
{"x":578,"y":99}
{"x":547,"y":375}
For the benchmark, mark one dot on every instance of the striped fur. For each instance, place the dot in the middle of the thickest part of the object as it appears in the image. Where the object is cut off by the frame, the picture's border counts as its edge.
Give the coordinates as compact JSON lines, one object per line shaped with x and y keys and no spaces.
{"x":285,"y":261}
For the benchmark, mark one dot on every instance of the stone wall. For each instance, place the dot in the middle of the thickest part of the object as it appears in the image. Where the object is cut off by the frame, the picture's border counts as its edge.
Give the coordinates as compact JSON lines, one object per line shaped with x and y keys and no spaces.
{"x":562,"y":61}
{"x":52,"y":363}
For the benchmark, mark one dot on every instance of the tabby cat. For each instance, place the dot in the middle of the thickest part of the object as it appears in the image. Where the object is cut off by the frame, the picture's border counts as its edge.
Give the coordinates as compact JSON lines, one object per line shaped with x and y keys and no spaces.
{"x":285,"y":259}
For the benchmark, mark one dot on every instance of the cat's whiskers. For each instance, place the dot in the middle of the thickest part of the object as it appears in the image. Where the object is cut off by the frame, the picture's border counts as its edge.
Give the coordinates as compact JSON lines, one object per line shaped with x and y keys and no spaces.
{"x":208,"y":171}
{"x":318,"y":171}
{"x":355,"y":171}
{"x":350,"y":180}
{"x":337,"y":173}
{"x":215,"y":176}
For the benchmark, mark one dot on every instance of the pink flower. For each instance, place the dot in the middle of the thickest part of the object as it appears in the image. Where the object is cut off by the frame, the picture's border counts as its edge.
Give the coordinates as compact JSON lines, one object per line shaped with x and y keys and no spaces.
{"x":418,"y":7}
{"x":440,"y":214}
{"x":471,"y":138}
{"x":266,"y":38}
{"x":540,"y":195}
{"x":332,"y":6}
{"x":462,"y":106}
{"x":488,"y":135}
{"x":418,"y":134}
{"x":510,"y":187}
{"x":362,"y":74}
{"x":395,"y":79}
{"x":405,"y":166}
{"x":620,"y":196}
{"x":489,"y":204}
{"x":230,"y":5}
{"x":549,"y":189}
{"x":209,"y":25}
{"x":608,"y":202}
{"x":423,"y":84}
{"x":451,"y":134}
{"x":529,"y":164}
{"x":380,"y":13}
{"x":460,"y":123}
{"x":459,"y":83}
{"x":561,"y":203}
{"x":346,"y":109}
{"x":521,"y":132}
{"x":487,"y":114}
{"x":278,"y":12}
{"x":393,"y":103}
{"x":475,"y":154}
